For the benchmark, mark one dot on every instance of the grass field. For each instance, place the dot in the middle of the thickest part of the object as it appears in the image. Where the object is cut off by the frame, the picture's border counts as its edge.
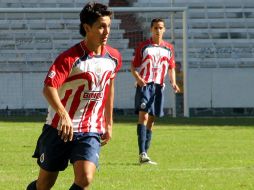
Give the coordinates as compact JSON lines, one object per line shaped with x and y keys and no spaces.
{"x":192,"y":154}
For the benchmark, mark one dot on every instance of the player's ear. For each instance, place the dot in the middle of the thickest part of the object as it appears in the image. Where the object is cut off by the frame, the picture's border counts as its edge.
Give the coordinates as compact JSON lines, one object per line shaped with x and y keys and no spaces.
{"x":87,"y":28}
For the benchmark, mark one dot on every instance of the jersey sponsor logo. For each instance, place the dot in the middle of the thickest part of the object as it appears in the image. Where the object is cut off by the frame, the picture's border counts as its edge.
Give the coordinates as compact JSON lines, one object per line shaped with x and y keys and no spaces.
{"x":156,"y":69}
{"x":52,"y":74}
{"x":93,"y":95}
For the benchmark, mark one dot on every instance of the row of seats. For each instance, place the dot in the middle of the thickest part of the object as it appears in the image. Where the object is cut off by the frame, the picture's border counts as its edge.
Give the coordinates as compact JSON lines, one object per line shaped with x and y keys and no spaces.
{"x":45,"y":3}
{"x":210,"y":26}
{"x":195,"y":3}
{"x":225,"y":27}
{"x":39,"y":37}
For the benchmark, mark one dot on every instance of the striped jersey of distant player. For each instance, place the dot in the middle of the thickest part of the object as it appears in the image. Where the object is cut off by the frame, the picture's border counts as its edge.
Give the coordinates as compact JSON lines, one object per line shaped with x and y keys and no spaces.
{"x":153,"y":61}
{"x":82,"y":80}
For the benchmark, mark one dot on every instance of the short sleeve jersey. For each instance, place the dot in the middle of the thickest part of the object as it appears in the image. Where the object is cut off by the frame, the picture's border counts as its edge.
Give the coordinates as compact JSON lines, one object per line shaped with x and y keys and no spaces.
{"x":82,"y":80}
{"x":152,"y":61}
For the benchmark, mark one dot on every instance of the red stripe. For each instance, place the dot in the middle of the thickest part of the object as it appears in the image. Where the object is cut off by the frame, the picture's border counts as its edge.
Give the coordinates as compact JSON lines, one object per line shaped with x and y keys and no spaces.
{"x":163,"y":73}
{"x":76,"y":101}
{"x":100,"y":113}
{"x":81,"y":121}
{"x":86,"y":76}
{"x":87,"y":115}
{"x":56,"y":117}
{"x":142,"y":72}
{"x":164,"y":59}
{"x":105,"y":78}
{"x":147,"y":57}
{"x":147,"y":73}
{"x":155,"y":75}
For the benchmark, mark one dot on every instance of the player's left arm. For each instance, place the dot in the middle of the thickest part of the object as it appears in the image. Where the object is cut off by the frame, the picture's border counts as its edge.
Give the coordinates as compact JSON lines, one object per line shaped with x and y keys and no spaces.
{"x":172,"y":79}
{"x":109,"y":114}
{"x":171,"y":70}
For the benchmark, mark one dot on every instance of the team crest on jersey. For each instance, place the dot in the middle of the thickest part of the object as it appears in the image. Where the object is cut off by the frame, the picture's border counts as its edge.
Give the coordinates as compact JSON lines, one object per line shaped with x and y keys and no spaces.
{"x":98,"y":70}
{"x":143,"y":105}
{"x":42,"y":158}
{"x":52,"y":74}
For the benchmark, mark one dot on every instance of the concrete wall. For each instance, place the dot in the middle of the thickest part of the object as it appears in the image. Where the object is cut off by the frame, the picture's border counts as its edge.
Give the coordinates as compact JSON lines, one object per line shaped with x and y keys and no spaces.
{"x":24,"y":91}
{"x":21,"y":90}
{"x":208,"y":88}
{"x":221,"y":87}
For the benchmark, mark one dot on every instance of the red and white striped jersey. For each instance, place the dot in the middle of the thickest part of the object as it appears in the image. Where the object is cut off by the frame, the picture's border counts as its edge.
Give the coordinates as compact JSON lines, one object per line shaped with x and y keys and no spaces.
{"x":152,"y":61}
{"x":82,"y":80}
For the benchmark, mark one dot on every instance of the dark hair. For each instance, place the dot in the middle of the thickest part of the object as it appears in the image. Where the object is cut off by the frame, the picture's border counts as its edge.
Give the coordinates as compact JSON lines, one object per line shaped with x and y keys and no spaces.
{"x":155,"y":20}
{"x":90,"y":13}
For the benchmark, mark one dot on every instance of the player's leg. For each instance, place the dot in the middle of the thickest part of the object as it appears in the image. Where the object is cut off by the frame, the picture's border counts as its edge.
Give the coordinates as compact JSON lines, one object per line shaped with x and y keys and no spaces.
{"x":45,"y":181}
{"x":141,"y":131}
{"x":85,"y":158}
{"x":156,"y":109}
{"x":32,"y":186}
{"x":149,"y":126}
{"x":52,"y":155}
{"x":84,"y":172}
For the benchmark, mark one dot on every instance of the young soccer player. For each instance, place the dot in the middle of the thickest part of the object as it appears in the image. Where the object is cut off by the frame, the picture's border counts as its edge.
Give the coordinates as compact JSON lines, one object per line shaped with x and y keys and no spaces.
{"x":79,"y":88}
{"x":153,"y":58}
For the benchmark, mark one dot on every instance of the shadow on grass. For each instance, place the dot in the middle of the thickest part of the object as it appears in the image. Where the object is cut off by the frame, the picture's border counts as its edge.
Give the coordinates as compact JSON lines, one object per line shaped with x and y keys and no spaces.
{"x":201,"y":121}
{"x":209,"y":121}
{"x":166,"y":120}
{"x":30,"y":118}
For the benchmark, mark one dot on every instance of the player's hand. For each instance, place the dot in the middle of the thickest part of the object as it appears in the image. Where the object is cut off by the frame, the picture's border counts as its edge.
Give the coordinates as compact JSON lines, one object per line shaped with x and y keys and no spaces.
{"x":65,"y":129}
{"x":105,"y":138}
{"x":175,"y":88}
{"x":141,"y":82}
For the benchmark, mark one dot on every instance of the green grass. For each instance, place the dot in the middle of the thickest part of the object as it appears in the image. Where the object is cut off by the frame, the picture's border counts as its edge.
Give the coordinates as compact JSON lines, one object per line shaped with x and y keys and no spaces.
{"x":192,"y":154}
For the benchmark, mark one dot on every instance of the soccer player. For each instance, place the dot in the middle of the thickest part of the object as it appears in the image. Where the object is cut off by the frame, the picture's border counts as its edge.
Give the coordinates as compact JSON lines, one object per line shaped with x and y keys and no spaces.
{"x":153,"y":58}
{"x":79,"y":88}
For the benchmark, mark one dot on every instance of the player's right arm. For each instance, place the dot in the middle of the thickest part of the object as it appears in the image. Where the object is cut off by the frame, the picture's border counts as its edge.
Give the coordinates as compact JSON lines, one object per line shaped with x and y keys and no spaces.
{"x":65,"y":128}
{"x":137,"y":62}
{"x":56,"y":76}
{"x":141,"y":82}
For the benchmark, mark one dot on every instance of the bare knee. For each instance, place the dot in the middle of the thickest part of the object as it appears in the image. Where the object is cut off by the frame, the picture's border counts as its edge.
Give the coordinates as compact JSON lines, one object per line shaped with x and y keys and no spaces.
{"x":85,"y":180}
{"x":143,"y":118}
{"x":84,"y":172}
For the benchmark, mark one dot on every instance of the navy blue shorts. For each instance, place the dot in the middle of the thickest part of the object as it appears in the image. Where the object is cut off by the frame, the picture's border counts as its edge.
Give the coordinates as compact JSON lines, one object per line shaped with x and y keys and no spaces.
{"x":150,"y":99}
{"x":53,"y":154}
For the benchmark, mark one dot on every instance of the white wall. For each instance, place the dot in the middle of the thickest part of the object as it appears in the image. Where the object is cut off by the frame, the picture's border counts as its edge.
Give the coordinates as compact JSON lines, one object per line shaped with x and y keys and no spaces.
{"x":10,"y":85}
{"x":221,"y":88}
{"x":208,"y":87}
{"x":21,"y":90}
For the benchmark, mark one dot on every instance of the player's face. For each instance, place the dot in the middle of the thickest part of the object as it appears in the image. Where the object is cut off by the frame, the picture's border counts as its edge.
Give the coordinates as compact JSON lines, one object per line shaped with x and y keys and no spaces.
{"x":98,"y":33}
{"x":158,"y":30}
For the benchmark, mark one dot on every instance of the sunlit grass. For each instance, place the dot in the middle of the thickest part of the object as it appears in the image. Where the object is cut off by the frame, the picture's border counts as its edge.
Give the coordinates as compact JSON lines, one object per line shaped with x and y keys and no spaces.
{"x":192,"y":154}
